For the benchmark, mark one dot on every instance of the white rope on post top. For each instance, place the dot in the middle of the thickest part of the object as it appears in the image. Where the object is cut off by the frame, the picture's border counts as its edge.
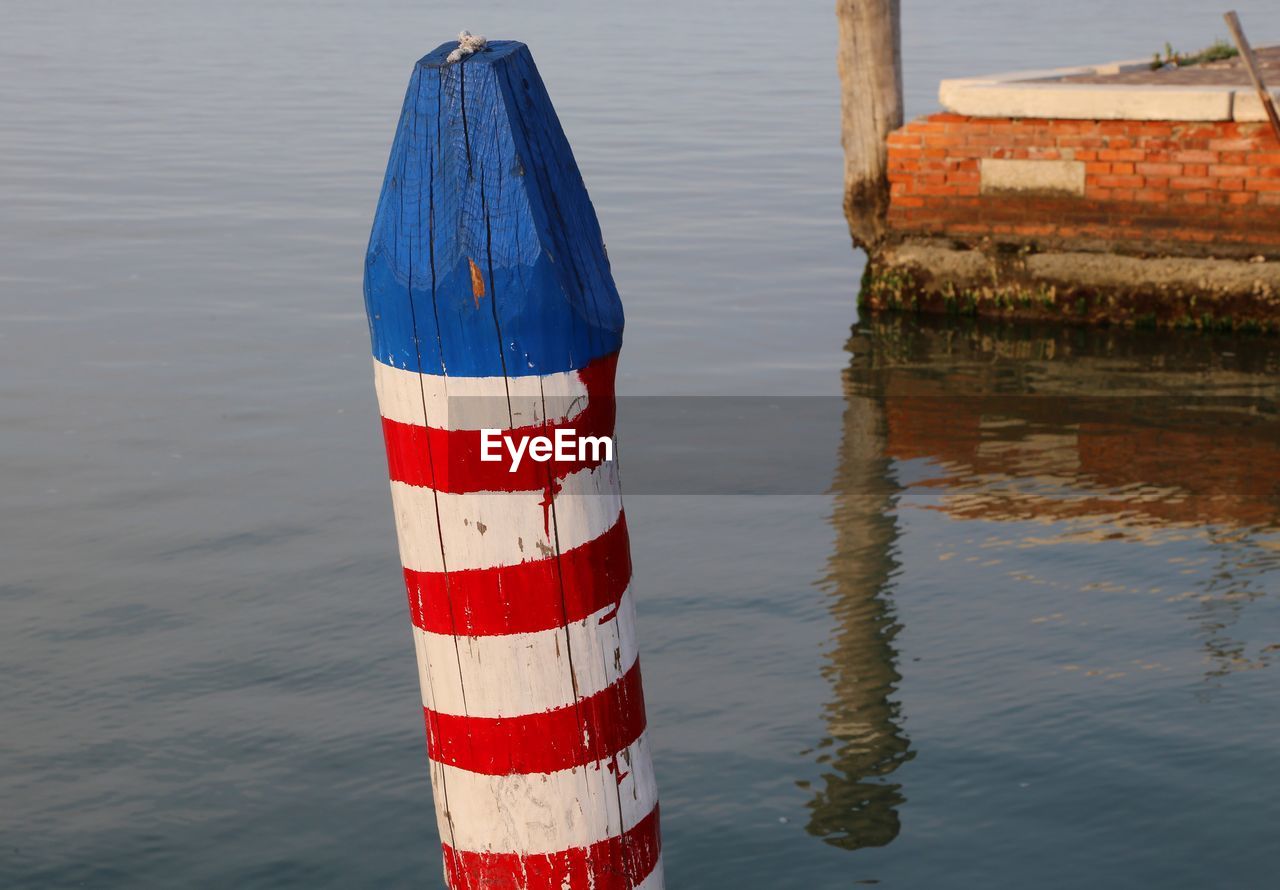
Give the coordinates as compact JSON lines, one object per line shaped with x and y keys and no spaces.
{"x":467,"y":45}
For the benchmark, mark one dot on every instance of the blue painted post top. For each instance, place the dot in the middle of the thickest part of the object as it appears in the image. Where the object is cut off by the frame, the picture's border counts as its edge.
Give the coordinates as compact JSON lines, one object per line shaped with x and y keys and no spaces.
{"x":486,"y":258}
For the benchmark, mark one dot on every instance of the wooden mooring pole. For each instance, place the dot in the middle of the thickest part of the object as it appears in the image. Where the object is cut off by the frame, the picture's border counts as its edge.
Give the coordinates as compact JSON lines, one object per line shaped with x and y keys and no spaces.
{"x":491,"y":307}
{"x":869,"y":58}
{"x":1255,"y":72}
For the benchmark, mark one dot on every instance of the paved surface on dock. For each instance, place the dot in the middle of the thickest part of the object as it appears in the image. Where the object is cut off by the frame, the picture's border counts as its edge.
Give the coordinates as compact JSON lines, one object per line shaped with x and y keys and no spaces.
{"x":1228,"y":72}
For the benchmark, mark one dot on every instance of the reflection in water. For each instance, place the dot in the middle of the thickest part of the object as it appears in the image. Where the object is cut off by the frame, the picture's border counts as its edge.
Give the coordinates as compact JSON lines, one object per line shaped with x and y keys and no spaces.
{"x":1148,"y":432}
{"x":1068,"y":442}
{"x":1095,"y":436}
{"x":857,"y":806}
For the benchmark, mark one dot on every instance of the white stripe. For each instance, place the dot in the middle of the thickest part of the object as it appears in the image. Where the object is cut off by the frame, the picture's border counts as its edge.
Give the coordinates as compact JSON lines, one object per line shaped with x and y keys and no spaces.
{"x":544,"y":812}
{"x":526,"y":673}
{"x":489,"y":528}
{"x":655,"y":880}
{"x":472,"y":403}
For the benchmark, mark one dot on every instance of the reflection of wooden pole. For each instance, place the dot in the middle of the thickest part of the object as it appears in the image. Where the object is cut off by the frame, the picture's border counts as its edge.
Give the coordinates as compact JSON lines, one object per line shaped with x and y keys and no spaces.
{"x":491,"y":305}
{"x":857,"y":807}
{"x":871,"y":107}
{"x":1246,"y":53}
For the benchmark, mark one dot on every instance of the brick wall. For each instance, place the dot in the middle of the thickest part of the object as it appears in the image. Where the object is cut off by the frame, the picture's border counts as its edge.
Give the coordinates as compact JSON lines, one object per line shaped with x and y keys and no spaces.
{"x":1149,"y":186}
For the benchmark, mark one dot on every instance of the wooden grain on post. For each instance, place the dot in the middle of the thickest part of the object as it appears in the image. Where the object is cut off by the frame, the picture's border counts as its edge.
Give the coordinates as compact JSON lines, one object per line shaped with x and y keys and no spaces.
{"x":870,"y":66}
{"x":492,"y":311}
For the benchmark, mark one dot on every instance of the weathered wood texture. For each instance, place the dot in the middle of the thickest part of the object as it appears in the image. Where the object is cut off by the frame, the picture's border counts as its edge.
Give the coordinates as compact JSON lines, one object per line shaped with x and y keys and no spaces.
{"x":871,"y":106}
{"x":1255,"y":72}
{"x":491,"y":305}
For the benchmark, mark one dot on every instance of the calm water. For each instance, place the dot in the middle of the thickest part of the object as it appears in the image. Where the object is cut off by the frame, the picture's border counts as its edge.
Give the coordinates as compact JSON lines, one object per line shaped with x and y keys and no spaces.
{"x":1027,"y":640}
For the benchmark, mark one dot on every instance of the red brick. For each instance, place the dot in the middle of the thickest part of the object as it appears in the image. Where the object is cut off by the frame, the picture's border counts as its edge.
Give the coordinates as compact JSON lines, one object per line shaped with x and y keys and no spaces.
{"x":1128,"y":154}
{"x":1068,"y":128}
{"x":938,"y":189}
{"x":1200,"y":131}
{"x":1195,"y":156}
{"x":1160,"y":169}
{"x":1092,"y":143}
{"x":1193,"y":182}
{"x":942,"y":140}
{"x":1230,"y":170}
{"x":1262,"y":185}
{"x":1122,"y":182}
{"x":1231,"y":144}
{"x":1151,"y":196}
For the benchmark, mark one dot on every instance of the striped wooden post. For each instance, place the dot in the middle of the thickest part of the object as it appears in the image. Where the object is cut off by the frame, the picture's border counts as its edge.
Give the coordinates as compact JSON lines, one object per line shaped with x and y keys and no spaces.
{"x":491,"y":305}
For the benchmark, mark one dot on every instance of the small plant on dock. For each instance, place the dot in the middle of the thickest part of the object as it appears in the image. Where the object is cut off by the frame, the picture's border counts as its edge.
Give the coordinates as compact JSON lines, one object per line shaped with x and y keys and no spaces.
{"x":889,"y":288}
{"x":1215,"y":52}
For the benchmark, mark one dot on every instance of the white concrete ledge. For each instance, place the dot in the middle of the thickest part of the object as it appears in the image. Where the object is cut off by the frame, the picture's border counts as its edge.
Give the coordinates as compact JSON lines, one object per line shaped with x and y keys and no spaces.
{"x":1039,"y":94}
{"x":1248,"y":107}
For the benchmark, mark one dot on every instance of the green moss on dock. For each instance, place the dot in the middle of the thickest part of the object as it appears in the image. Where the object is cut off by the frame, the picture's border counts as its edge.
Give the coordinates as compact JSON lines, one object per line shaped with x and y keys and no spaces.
{"x":1207,"y":295}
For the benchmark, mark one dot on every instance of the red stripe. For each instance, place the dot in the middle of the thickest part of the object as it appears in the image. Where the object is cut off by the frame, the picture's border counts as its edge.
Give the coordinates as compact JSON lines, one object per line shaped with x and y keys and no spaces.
{"x":449,"y":460}
{"x":595,"y":728}
{"x":618,"y":863}
{"x":526,"y":597}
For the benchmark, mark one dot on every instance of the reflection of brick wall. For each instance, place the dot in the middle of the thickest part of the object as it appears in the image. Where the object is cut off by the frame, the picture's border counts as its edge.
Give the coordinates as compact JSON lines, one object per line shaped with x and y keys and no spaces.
{"x":1115,"y":464}
{"x":1146,"y":184}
